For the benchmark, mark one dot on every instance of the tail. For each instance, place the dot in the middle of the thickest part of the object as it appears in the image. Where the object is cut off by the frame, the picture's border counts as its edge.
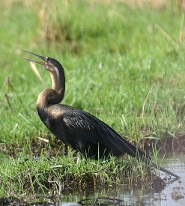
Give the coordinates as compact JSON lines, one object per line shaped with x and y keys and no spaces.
{"x":133,"y":151}
{"x":166,"y":171}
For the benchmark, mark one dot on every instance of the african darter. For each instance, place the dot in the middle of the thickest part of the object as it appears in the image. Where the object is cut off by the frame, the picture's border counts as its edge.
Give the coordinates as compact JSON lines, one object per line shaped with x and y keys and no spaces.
{"x":77,"y":128}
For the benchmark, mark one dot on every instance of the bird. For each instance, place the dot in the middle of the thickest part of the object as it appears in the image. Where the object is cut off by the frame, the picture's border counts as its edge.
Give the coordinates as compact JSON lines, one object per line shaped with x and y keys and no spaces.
{"x":79,"y":129}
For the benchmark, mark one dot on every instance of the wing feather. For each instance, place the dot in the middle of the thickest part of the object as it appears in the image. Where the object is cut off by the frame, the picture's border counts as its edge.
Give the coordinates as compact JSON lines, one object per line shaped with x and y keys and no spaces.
{"x":95,"y":131}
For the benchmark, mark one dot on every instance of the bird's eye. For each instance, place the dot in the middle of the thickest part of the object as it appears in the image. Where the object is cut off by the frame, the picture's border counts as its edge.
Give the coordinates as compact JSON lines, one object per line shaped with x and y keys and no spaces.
{"x":47,"y":59}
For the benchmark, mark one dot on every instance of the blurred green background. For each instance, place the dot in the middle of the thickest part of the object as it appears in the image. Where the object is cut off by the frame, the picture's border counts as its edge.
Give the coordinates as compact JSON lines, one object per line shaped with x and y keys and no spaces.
{"x":124,"y":63}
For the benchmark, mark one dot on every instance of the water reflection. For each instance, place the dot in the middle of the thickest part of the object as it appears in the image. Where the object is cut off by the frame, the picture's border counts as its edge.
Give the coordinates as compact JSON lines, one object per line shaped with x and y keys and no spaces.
{"x":173,"y":194}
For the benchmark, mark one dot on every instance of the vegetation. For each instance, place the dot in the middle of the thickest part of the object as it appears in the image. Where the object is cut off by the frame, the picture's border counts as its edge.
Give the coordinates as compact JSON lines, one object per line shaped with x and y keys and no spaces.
{"x":124,"y":64}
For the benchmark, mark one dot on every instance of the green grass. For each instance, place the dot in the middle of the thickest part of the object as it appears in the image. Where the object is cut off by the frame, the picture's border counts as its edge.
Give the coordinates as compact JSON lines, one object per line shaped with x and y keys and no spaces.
{"x":57,"y":174}
{"x":124,"y":65}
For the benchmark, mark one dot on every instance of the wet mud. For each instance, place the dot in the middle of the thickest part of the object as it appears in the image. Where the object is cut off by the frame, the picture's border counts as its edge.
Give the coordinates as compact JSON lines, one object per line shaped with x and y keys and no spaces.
{"x":163,"y":190}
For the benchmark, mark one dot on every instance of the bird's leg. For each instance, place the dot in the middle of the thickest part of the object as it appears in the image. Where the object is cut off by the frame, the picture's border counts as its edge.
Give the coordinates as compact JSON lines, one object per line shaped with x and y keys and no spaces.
{"x":66,"y":149}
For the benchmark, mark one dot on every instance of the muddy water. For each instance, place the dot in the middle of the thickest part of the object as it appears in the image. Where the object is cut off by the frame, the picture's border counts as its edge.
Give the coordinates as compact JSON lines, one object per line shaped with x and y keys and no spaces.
{"x":172,"y":194}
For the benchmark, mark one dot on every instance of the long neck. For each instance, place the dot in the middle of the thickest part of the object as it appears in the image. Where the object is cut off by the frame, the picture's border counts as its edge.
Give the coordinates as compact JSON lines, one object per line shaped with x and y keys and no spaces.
{"x":55,"y":95}
{"x":58,"y":81}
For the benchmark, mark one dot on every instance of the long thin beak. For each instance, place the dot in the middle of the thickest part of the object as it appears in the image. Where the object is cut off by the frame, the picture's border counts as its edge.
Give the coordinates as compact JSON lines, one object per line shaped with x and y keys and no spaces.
{"x":41,"y":57}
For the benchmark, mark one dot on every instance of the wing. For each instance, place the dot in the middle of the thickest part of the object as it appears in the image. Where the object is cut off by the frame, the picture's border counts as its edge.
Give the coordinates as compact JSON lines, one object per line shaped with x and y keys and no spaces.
{"x":93,"y":130}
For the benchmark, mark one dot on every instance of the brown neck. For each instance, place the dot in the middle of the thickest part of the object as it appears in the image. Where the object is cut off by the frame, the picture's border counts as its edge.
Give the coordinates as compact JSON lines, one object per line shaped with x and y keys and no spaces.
{"x":55,"y":95}
{"x":58,"y":81}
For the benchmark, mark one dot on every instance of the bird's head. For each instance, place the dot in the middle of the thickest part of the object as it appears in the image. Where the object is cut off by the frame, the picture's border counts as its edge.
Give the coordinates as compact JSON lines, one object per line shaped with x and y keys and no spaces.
{"x":49,"y":63}
{"x":55,"y":69}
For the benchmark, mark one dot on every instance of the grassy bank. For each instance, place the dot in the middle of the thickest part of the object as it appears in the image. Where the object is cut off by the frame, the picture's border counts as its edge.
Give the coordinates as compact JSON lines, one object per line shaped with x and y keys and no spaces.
{"x":124,"y":65}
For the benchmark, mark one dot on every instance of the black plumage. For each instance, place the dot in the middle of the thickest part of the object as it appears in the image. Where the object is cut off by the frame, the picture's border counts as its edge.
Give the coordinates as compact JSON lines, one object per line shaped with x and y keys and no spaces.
{"x":77,"y":128}
{"x":85,"y":133}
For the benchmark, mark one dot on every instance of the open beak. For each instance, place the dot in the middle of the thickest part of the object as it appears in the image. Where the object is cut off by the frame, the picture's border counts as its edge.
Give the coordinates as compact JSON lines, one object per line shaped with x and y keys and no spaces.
{"x":41,"y":57}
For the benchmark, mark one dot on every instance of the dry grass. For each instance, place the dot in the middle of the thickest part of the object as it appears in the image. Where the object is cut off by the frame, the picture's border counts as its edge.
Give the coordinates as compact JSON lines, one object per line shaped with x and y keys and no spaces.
{"x":141,"y":3}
